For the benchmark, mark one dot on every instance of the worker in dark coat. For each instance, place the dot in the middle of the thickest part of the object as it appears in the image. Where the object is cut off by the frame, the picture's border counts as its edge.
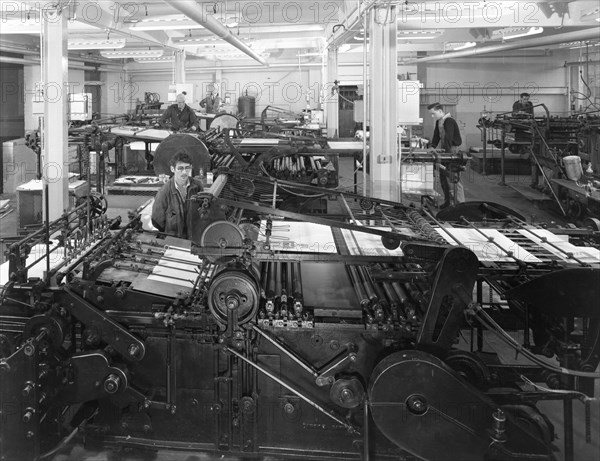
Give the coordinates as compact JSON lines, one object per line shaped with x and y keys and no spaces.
{"x":446,"y":138}
{"x":523,"y":105}
{"x":179,"y":116}
{"x":172,"y":209}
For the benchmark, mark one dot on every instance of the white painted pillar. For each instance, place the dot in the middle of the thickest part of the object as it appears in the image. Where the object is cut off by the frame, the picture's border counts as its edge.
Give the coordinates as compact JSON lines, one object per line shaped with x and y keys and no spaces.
{"x":331,"y":101}
{"x":179,"y":67}
{"x":55,"y":65}
{"x":383,"y":103}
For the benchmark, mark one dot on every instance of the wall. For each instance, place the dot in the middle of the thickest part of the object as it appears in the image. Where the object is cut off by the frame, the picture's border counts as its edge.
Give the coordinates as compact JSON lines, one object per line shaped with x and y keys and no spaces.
{"x":493,"y":84}
{"x":469,"y":85}
{"x":285,"y":88}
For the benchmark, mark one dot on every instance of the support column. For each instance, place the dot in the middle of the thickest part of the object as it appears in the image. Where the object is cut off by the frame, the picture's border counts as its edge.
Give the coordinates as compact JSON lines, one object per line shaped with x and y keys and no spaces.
{"x":55,"y":65}
{"x":331,"y":101}
{"x":179,"y":67}
{"x":384,"y":161}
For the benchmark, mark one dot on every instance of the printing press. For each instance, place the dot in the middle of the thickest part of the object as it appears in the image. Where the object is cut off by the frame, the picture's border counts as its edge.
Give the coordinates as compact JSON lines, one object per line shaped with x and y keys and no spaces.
{"x":355,"y":335}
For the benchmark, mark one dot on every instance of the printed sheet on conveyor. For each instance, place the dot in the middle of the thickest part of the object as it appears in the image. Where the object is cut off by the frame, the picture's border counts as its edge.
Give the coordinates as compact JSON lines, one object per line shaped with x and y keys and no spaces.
{"x":559,"y":245}
{"x":480,"y":242}
{"x":175,"y":272}
{"x":299,"y":236}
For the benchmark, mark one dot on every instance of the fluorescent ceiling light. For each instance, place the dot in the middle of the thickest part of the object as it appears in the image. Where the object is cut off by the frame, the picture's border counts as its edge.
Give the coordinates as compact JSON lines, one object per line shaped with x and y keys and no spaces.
{"x":510,"y":33}
{"x":258,"y":29}
{"x":456,"y":46}
{"x":238,"y":56}
{"x":132,"y":53}
{"x":82,"y":44}
{"x":168,"y":22}
{"x":578,"y":44}
{"x":155,"y":60}
{"x":419,"y":34}
{"x":204,"y":41}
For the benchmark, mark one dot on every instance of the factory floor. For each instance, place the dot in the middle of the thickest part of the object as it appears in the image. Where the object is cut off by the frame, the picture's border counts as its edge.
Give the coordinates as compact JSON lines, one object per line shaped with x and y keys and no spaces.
{"x":477,"y":187}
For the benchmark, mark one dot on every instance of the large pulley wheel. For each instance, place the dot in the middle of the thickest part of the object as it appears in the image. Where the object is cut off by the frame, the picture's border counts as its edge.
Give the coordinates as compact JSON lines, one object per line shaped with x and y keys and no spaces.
{"x":222,"y":234}
{"x":424,"y":407}
{"x":181,"y":142}
{"x":233,"y":292}
{"x":224,"y":122}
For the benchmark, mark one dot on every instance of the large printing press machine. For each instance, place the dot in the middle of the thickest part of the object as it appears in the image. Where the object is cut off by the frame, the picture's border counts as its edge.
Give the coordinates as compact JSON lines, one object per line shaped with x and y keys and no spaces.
{"x":274,"y":332}
{"x":549,"y":143}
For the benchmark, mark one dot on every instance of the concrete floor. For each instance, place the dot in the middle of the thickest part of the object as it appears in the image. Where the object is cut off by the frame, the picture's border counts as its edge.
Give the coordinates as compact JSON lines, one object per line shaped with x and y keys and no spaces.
{"x":477,"y":187}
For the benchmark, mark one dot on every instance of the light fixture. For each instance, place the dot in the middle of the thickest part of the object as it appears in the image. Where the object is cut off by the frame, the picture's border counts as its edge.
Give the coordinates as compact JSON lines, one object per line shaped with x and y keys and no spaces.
{"x":258,"y":29}
{"x":169,"y":22}
{"x":201,"y":41}
{"x":154,"y":60}
{"x":344,"y":48}
{"x":132,"y":53}
{"x":578,"y":44}
{"x":237,"y":56}
{"x":456,"y":46}
{"x":419,"y":34}
{"x":102,"y":44}
{"x":510,"y":33}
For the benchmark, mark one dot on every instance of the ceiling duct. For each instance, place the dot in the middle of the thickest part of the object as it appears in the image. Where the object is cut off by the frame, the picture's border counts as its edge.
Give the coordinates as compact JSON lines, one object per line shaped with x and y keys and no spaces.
{"x":195,"y":13}
{"x":586,"y":34}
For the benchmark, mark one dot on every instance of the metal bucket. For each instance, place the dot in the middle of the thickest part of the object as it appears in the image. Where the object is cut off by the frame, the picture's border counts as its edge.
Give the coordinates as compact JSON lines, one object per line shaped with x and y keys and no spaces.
{"x":573,"y":168}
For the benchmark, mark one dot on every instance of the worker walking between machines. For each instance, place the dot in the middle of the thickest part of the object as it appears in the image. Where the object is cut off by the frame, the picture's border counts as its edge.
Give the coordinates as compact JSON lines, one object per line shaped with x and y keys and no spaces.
{"x":179,"y":116}
{"x":446,"y":138}
{"x":523,"y":104}
{"x":171,"y":210}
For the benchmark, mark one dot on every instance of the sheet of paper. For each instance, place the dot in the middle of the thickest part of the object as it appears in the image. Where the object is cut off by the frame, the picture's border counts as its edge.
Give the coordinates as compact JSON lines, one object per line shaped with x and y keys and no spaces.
{"x":486,"y":250}
{"x":38,"y":269}
{"x":177,"y":267}
{"x":361,"y":243}
{"x":585,"y":254}
{"x":299,"y":236}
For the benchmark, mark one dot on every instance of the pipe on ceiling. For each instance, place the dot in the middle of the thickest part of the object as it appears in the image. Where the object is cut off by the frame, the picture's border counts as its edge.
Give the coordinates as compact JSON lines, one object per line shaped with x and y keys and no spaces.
{"x":193,"y":11}
{"x":586,"y":34}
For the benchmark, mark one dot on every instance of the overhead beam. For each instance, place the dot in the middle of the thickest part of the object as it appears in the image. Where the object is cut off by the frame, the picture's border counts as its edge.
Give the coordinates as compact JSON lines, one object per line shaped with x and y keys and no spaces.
{"x":586,"y":34}
{"x":195,"y":12}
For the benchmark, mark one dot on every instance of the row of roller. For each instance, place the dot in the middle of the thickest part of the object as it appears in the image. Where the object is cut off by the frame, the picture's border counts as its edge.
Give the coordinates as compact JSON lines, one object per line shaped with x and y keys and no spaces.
{"x":387,"y":303}
{"x":295,"y":166}
{"x":281,"y":286}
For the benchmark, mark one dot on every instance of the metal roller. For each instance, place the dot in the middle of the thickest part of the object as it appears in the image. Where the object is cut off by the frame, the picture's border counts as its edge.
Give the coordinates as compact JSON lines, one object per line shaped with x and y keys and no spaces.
{"x":367,"y":283}
{"x":361,"y":294}
{"x":424,"y":226}
{"x":234,"y":290}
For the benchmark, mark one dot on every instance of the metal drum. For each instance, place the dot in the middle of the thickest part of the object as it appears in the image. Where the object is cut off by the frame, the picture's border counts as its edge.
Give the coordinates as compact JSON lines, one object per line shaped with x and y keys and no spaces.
{"x":247,"y":106}
{"x":186,"y":142}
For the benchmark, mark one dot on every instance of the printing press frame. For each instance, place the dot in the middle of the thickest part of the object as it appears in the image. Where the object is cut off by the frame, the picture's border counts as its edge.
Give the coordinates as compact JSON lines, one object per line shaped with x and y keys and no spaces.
{"x":283,"y":365}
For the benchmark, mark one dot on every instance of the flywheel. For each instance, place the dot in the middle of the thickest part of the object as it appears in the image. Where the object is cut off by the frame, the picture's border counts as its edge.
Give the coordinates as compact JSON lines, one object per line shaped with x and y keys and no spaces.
{"x":234,"y":291}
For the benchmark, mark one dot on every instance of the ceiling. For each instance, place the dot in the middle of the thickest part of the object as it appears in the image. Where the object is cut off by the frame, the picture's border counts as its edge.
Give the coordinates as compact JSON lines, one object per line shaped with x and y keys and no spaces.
{"x":285,"y":31}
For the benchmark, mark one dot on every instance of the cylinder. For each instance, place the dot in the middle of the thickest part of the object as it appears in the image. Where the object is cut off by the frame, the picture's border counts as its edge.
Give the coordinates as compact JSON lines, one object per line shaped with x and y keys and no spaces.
{"x":573,"y":167}
{"x":247,"y":106}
